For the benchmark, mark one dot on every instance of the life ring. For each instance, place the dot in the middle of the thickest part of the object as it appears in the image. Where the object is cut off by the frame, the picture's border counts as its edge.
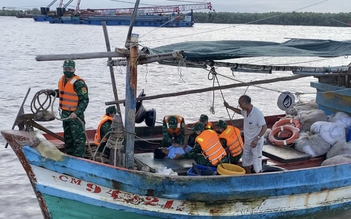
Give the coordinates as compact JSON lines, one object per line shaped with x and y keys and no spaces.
{"x":287,"y":121}
{"x":295,"y":135}
{"x":285,"y":134}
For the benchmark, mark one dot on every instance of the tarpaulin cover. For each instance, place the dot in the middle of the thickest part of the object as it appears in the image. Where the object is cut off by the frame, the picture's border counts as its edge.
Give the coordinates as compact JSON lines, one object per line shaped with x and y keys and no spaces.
{"x":229,"y":49}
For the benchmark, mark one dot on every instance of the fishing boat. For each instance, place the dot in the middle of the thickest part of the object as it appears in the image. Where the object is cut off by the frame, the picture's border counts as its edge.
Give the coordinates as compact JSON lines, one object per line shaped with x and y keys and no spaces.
{"x":73,"y":187}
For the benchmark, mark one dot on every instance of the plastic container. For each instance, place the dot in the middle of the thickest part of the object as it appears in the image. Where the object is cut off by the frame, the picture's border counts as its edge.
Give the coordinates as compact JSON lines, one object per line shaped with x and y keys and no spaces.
{"x":348,"y":137}
{"x":230,"y":169}
{"x":191,"y":171}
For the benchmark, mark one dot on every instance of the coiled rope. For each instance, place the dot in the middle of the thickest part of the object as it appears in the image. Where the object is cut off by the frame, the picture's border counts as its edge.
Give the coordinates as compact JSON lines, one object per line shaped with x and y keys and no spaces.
{"x":40,"y":109}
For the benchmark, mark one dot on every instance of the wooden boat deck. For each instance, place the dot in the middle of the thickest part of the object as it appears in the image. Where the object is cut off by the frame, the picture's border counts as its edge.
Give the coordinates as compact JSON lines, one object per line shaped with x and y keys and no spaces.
{"x":180,"y":166}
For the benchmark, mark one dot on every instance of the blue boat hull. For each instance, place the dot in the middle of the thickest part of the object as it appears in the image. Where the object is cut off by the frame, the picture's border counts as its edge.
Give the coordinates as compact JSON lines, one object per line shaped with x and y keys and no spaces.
{"x":143,"y":21}
{"x":42,"y":18}
{"x":124,"y":23}
{"x":78,"y":187}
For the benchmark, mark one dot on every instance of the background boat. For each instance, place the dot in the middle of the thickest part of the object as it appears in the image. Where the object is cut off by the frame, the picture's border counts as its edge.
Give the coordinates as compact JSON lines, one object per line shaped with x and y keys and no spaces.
{"x":156,"y":16}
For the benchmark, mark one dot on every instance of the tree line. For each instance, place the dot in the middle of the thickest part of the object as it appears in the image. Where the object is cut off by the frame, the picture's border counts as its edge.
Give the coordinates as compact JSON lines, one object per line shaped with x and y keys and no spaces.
{"x":274,"y":18}
{"x":34,"y":11}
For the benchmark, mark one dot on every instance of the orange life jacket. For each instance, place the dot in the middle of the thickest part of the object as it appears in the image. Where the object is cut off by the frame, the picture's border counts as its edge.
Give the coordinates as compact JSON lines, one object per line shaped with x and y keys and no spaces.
{"x":97,"y":137}
{"x":208,"y":125}
{"x":68,"y":96}
{"x":211,"y":147}
{"x":178,"y":129}
{"x":234,"y":141}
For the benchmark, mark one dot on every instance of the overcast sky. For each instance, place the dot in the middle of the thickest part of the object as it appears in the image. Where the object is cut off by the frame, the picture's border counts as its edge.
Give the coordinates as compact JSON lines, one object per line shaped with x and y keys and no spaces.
{"x":259,"y":6}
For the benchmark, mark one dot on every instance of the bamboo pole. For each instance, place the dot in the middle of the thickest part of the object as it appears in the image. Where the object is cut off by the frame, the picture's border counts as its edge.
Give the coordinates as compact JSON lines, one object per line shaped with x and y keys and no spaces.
{"x":93,"y":55}
{"x":112,"y":73}
{"x":130,"y":30}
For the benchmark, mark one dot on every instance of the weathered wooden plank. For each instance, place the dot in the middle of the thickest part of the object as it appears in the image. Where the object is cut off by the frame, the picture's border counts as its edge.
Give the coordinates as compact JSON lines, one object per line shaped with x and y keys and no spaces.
{"x":284,"y":154}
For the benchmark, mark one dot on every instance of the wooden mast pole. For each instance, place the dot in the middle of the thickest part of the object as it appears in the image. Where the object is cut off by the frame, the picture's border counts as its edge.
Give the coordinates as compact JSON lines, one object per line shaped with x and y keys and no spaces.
{"x":112,"y":73}
{"x":131,"y":86}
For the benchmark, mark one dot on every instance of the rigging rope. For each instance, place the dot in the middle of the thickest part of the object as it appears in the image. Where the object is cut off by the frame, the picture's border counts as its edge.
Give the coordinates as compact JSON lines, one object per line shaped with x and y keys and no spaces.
{"x":214,"y":77}
{"x":223,"y":28}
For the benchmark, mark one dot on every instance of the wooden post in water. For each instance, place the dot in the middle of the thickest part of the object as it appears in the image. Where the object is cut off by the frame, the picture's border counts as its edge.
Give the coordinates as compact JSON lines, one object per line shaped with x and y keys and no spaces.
{"x":131,"y":82}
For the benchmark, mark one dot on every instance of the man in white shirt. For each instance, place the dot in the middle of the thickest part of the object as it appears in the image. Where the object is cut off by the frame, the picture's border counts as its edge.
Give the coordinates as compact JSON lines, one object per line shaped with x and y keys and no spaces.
{"x":254,"y":129}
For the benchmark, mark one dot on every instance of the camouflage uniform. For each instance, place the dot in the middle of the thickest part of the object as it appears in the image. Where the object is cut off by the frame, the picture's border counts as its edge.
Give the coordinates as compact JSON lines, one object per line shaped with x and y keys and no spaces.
{"x":167,"y":137}
{"x":74,"y":132}
{"x":196,"y":154}
{"x":105,"y":128}
{"x":223,"y":125}
{"x":208,"y":125}
{"x":233,"y":160}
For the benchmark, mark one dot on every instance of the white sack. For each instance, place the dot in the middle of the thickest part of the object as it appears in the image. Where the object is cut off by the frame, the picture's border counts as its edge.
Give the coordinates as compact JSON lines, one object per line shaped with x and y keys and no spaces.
{"x":330,"y":132}
{"x":340,"y":159}
{"x":311,"y":144}
{"x":340,"y":148}
{"x":341,"y":118}
{"x":307,"y":118}
{"x":301,"y":106}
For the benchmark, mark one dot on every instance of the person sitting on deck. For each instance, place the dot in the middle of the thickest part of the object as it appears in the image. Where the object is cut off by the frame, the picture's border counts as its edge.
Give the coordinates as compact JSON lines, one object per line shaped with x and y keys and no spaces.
{"x":103,"y":128}
{"x":230,"y":138}
{"x":173,"y":130}
{"x":207,"y":150}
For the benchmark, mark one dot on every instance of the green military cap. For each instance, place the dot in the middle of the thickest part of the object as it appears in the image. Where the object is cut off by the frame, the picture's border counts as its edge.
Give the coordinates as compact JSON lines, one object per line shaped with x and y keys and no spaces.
{"x":172,"y":122}
{"x":111,"y":109}
{"x":203,"y":118}
{"x":69,"y":64}
{"x":222,"y":124}
{"x":199,"y":126}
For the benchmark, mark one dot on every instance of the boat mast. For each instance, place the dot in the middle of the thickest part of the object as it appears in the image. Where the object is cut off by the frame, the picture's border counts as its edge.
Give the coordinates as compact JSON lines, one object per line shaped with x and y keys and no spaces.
{"x":131,"y":89}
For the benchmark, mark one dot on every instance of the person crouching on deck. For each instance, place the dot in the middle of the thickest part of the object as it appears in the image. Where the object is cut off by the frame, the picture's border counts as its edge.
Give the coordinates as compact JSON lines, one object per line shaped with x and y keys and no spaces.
{"x":204,"y":120}
{"x":208,"y":125}
{"x":173,"y":130}
{"x":230,"y":138}
{"x":207,"y":150}
{"x":103,"y":128}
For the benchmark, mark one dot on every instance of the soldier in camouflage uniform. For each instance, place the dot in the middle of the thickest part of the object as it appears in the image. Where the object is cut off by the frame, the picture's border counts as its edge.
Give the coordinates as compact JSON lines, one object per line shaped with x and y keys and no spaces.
{"x":73,"y":94}
{"x":103,"y":128}
{"x":173,"y":130}
{"x":196,"y":153}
